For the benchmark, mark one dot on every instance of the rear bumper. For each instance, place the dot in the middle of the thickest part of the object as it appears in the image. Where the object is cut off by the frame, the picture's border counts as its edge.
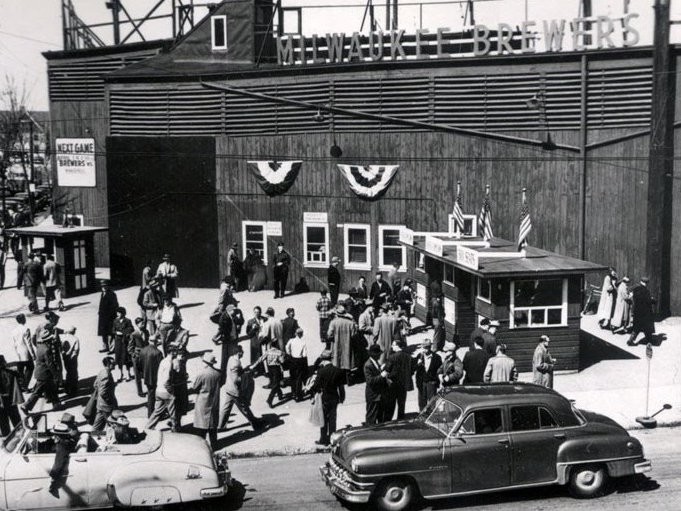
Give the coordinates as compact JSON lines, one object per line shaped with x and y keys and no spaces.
{"x":342,"y":488}
{"x":219,"y":491}
{"x":643,"y":467}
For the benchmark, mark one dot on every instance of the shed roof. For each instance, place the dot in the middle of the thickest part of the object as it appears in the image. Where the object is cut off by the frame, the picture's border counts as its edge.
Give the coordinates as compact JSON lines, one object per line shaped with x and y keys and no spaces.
{"x":56,"y":231}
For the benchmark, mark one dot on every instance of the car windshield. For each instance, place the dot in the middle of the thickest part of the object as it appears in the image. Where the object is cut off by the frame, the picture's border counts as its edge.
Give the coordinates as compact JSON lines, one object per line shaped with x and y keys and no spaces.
{"x":440,"y":414}
{"x":12,"y":440}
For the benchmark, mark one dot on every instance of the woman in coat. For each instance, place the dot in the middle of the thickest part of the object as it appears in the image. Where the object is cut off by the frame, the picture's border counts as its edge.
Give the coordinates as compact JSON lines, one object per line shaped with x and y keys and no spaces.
{"x":122,"y":329}
{"x":207,"y":406}
{"x":607,"y":302}
{"x":620,"y":318}
{"x":108,"y":303}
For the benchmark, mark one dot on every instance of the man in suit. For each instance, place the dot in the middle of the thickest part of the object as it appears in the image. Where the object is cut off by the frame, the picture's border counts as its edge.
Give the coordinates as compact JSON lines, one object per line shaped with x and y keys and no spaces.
{"x":386,"y":328}
{"x":50,"y":275}
{"x":167,"y":272}
{"x":150,"y":358}
{"x":207,"y":406}
{"x":281,"y":262}
{"x":232,"y":393}
{"x":380,"y":292}
{"x":501,"y":368}
{"x":330,"y":385}
{"x":34,"y":277}
{"x":289,"y":325}
{"x":108,"y":304}
{"x":376,"y":387}
{"x":427,"y":366}
{"x":105,"y":387}
{"x":475,"y":362}
{"x":642,"y":310}
{"x":46,"y":372}
{"x":333,"y":278}
{"x":253,"y":328}
{"x":398,"y":366}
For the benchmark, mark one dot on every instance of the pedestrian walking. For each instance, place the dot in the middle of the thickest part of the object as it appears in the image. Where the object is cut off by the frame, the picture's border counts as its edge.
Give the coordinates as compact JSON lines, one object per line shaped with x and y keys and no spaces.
{"x":139,"y":340}
{"x":296,"y":349}
{"x":33,"y":277}
{"x":207,"y":406}
{"x":274,"y":359}
{"x":330,"y":384}
{"x":46,"y":373}
{"x":428,"y":364}
{"x":70,"y":349}
{"x":232,"y":393}
{"x":10,"y":398}
{"x":475,"y":362}
{"x":21,"y":337}
{"x":281,"y":262}
{"x":166,"y":318}
{"x":150,"y":359}
{"x":324,"y":310}
{"x":501,"y":367}
{"x":105,"y":389}
{"x":50,"y":279}
{"x":642,"y":309}
{"x":333,"y":279}
{"x":275,"y":329}
{"x":380,"y":293}
{"x":399,"y":367}
{"x":227,"y":338}
{"x":164,"y":399}
{"x":543,"y":363}
{"x":607,"y":301}
{"x":108,"y":304}
{"x":342,"y":329}
{"x":168,"y":275}
{"x":151,"y":302}
{"x":621,"y":313}
{"x":21,"y":267}
{"x":145,"y":284}
{"x":289,"y":325}
{"x":179,"y":381}
{"x":451,"y":370}
{"x":376,"y":389}
{"x":122,"y":329}
{"x":405,"y":301}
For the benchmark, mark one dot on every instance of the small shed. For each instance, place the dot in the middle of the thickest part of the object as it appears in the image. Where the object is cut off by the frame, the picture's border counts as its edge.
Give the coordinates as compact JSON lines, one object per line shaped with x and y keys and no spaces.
{"x":530,"y":292}
{"x":73,"y":250}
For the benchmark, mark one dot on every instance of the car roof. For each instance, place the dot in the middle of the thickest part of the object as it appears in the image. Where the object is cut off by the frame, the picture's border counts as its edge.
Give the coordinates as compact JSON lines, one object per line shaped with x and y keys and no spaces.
{"x":499,"y":394}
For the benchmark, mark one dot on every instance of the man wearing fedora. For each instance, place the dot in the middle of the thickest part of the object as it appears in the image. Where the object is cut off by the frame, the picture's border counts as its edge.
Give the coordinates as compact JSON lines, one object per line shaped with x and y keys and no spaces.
{"x":108,"y":304}
{"x":207,"y":405}
{"x":330,"y":384}
{"x":451,"y":370}
{"x":232,"y":393}
{"x":428,"y":364}
{"x":105,"y":388}
{"x":376,"y":379}
{"x":151,"y":301}
{"x":46,"y":373}
{"x":342,"y":329}
{"x":280,"y":262}
{"x":642,"y":310}
{"x":333,"y":278}
{"x":168,"y":273}
{"x":150,"y":359}
{"x":65,"y":434}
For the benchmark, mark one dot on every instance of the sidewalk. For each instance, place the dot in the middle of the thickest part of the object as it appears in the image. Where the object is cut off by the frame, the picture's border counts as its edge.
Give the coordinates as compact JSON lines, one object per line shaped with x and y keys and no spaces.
{"x":614,"y":383}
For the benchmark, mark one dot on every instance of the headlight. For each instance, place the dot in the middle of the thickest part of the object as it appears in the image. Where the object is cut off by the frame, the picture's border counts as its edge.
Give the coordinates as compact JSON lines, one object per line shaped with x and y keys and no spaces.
{"x":354,"y":465}
{"x":335,"y":437}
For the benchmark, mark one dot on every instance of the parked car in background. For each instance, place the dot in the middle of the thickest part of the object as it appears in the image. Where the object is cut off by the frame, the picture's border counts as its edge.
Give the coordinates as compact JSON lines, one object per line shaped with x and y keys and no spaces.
{"x":479,"y":439}
{"x":159,"y":468}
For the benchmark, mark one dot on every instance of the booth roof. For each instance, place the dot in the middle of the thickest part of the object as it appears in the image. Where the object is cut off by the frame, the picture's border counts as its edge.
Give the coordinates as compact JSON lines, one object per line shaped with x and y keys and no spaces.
{"x":56,"y":231}
{"x":537,"y":262}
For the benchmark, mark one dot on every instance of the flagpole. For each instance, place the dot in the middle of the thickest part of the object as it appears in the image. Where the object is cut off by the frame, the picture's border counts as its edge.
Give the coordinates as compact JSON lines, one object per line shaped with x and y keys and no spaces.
{"x":457,"y":228}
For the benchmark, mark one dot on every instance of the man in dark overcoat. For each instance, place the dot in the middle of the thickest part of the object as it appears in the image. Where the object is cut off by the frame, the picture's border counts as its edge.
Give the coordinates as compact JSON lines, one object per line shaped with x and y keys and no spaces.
{"x":105,"y":387}
{"x":642,"y":309}
{"x":427,"y":365}
{"x":108,"y":304}
{"x":399,"y":370}
{"x":280,"y":261}
{"x":150,"y":358}
{"x":376,"y":386}
{"x":333,"y":278}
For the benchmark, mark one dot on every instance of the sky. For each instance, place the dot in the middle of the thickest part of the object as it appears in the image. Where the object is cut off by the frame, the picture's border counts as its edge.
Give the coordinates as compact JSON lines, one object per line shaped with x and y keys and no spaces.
{"x":30,"y":27}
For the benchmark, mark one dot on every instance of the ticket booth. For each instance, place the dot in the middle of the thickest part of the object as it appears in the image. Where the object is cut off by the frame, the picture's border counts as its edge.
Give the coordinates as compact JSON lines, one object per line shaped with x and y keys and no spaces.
{"x":73,"y":250}
{"x":530,"y":292}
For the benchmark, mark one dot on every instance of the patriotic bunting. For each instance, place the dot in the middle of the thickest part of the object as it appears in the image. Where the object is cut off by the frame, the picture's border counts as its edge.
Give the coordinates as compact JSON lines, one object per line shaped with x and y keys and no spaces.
{"x":369,"y":183}
{"x":458,"y":211}
{"x":525,"y":224}
{"x":275,"y":177}
{"x":485,"y":218}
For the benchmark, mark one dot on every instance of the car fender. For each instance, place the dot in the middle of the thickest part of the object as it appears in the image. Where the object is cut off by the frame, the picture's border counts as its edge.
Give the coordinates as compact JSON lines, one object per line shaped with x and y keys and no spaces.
{"x":595,"y":449}
{"x":154,"y":483}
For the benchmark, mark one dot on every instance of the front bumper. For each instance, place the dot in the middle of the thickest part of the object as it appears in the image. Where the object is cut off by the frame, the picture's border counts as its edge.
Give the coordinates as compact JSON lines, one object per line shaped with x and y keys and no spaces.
{"x":343,"y":488}
{"x":643,"y":467}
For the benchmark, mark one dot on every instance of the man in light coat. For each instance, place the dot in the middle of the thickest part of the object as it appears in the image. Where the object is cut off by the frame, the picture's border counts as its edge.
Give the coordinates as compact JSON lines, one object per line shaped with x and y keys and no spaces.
{"x":21,"y":335}
{"x":207,"y":406}
{"x":366,"y":324}
{"x":105,"y":387}
{"x":543,"y":363}
{"x":232,"y":393}
{"x":50,"y":275}
{"x":501,"y":367}
{"x":386,"y":328}
{"x":341,"y":331}
{"x":168,"y":274}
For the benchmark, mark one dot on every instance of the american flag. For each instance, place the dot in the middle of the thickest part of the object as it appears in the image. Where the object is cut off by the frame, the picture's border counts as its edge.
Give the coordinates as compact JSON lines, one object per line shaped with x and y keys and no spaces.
{"x":525,"y":223}
{"x":485,"y":218}
{"x":458,"y":212}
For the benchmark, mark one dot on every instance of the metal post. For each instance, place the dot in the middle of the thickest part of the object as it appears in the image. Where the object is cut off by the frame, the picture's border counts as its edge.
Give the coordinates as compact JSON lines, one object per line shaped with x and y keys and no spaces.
{"x":648,"y":387}
{"x":583,"y":138}
{"x":387,"y":14}
{"x":471,"y":11}
{"x":394,"y":20}
{"x":30,"y":193}
{"x":114,"y":5}
{"x":586,"y":13}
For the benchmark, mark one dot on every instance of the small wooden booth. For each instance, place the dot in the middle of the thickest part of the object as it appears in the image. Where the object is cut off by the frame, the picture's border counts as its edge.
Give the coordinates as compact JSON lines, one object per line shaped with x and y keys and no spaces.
{"x":73,"y":249}
{"x":530,"y":292}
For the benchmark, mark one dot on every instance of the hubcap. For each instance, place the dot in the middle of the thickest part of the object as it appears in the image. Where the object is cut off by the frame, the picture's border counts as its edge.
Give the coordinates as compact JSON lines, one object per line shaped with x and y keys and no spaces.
{"x":395,"y":494}
{"x":587,"y":478}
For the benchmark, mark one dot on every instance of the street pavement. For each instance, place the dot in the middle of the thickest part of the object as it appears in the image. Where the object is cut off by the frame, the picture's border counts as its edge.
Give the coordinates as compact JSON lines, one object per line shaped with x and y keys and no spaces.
{"x":294,"y":483}
{"x":612,"y":382}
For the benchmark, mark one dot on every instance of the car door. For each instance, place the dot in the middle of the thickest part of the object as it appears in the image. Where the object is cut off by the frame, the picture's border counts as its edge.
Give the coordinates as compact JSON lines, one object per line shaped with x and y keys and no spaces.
{"x":535,"y":439}
{"x":481,"y":457}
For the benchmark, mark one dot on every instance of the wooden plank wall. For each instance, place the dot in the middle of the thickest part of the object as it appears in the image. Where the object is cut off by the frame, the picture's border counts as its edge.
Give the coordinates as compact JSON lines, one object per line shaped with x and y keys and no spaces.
{"x":75,"y":119}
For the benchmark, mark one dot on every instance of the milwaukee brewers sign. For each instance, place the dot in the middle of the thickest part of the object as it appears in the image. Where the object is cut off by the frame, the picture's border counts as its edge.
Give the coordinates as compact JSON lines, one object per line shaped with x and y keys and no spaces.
{"x":529,"y":37}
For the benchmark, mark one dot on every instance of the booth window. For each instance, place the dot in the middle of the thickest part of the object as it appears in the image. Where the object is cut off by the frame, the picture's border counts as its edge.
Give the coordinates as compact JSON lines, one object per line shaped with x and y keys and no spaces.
{"x":79,"y":263}
{"x":316,"y":244}
{"x":219,"y":32}
{"x":448,"y":274}
{"x":357,"y":245}
{"x":485,"y":290}
{"x":254,"y":238}
{"x":389,"y":249}
{"x":538,"y":303}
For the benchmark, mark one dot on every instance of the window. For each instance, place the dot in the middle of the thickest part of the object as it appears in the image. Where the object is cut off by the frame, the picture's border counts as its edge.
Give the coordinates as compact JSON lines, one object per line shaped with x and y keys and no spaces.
{"x":448,"y":273}
{"x":441,"y":414}
{"x":482,"y":422}
{"x":357,"y":254}
{"x":528,"y":418}
{"x":485,"y":290}
{"x":316,"y":244}
{"x":219,"y":32}
{"x":79,"y":255}
{"x":389,"y":249}
{"x":254,"y":238}
{"x":538,"y":303}
{"x":470,"y":225}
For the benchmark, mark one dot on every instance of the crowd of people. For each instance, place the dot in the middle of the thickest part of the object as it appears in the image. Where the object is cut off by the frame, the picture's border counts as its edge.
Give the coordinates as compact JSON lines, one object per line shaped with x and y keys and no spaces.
{"x":626,"y":309}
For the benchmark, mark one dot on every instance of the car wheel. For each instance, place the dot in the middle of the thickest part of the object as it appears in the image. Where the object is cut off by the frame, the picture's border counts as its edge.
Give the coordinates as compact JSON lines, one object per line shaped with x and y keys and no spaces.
{"x":588,"y":481}
{"x":395,"y":494}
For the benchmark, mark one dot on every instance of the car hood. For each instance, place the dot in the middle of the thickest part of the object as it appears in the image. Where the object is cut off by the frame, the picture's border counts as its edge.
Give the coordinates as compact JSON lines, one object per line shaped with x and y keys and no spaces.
{"x":390,"y":435}
{"x":186,"y":448}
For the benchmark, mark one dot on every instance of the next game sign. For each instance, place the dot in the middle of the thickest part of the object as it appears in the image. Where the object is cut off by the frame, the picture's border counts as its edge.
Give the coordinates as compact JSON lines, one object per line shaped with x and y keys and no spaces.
{"x":76,"y":162}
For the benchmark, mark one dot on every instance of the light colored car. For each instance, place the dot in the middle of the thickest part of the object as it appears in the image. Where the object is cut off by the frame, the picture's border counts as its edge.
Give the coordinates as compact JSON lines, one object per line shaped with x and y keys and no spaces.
{"x":160,"y":468}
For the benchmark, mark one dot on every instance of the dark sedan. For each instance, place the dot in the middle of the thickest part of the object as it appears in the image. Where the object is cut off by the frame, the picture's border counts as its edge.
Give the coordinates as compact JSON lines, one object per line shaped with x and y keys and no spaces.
{"x":479,"y":439}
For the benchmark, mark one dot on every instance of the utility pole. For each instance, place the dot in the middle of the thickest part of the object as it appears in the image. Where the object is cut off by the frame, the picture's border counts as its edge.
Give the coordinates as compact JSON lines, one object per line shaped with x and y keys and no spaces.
{"x":115,"y":6}
{"x":660,"y":162}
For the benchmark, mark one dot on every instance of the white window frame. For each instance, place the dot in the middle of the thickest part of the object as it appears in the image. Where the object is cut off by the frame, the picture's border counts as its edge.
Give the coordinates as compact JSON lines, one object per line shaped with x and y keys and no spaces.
{"x":474,"y":227}
{"x":479,"y":288}
{"x":213,"y":19}
{"x":563,"y":308}
{"x":316,"y":264}
{"x":346,"y":247}
{"x":246,"y":223}
{"x":381,"y":263}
